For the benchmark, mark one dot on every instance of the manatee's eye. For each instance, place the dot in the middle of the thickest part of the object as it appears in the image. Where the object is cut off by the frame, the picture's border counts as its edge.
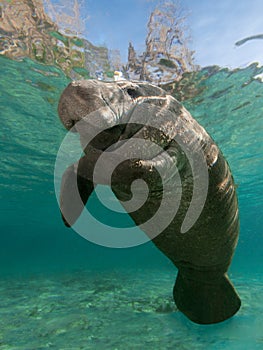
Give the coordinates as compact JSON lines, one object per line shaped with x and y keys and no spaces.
{"x":133,"y":93}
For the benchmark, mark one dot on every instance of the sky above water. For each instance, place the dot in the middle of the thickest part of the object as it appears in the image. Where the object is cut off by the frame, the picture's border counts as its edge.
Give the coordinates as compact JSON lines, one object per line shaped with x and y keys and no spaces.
{"x":215,"y":26}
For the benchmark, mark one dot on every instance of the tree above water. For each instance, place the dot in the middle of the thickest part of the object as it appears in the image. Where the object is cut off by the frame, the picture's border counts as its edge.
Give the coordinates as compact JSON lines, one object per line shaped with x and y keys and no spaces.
{"x":167,"y":55}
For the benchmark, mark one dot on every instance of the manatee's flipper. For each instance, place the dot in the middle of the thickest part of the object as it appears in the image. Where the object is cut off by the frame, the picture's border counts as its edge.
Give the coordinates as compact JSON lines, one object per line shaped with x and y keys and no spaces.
{"x":205,"y":301}
{"x":74,"y":193}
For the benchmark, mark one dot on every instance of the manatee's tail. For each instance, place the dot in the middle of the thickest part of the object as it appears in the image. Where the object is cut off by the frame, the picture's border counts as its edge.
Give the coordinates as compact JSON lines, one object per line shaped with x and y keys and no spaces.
{"x":205,"y":301}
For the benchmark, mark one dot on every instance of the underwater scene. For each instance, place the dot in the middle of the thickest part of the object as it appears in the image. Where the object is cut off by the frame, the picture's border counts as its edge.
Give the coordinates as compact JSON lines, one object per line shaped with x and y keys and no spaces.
{"x":63,"y":290}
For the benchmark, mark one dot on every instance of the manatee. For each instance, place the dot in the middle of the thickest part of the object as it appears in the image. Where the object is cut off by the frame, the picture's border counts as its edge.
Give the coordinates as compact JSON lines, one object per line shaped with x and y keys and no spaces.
{"x":203,"y":251}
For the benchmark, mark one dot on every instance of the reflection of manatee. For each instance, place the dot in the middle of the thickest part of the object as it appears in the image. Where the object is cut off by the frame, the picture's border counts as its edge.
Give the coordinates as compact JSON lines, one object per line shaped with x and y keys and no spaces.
{"x":202,"y":255}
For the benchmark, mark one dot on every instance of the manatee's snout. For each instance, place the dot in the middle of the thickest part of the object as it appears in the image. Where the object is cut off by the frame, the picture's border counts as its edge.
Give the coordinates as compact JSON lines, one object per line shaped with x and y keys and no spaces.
{"x":104,"y":106}
{"x":112,"y":99}
{"x":100,"y":105}
{"x":78,"y":100}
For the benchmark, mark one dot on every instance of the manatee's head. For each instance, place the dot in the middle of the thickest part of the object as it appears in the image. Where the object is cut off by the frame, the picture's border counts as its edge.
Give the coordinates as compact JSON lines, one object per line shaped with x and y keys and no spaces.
{"x":101,"y":105}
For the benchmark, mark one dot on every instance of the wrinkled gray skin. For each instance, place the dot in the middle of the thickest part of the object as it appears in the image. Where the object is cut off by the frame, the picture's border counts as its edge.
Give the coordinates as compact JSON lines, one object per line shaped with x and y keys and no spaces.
{"x":203,"y":254}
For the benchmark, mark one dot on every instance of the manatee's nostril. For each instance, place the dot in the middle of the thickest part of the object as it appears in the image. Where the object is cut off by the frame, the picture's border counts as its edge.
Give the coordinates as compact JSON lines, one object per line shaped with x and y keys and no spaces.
{"x":75,"y":83}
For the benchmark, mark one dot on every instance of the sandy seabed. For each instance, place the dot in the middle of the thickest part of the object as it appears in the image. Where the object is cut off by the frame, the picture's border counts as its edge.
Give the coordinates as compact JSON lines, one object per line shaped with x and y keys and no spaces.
{"x":118,"y":310}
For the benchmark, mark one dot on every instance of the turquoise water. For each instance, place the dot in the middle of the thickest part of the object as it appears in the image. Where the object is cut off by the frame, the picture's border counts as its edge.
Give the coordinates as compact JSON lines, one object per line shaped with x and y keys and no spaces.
{"x":59,"y":290}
